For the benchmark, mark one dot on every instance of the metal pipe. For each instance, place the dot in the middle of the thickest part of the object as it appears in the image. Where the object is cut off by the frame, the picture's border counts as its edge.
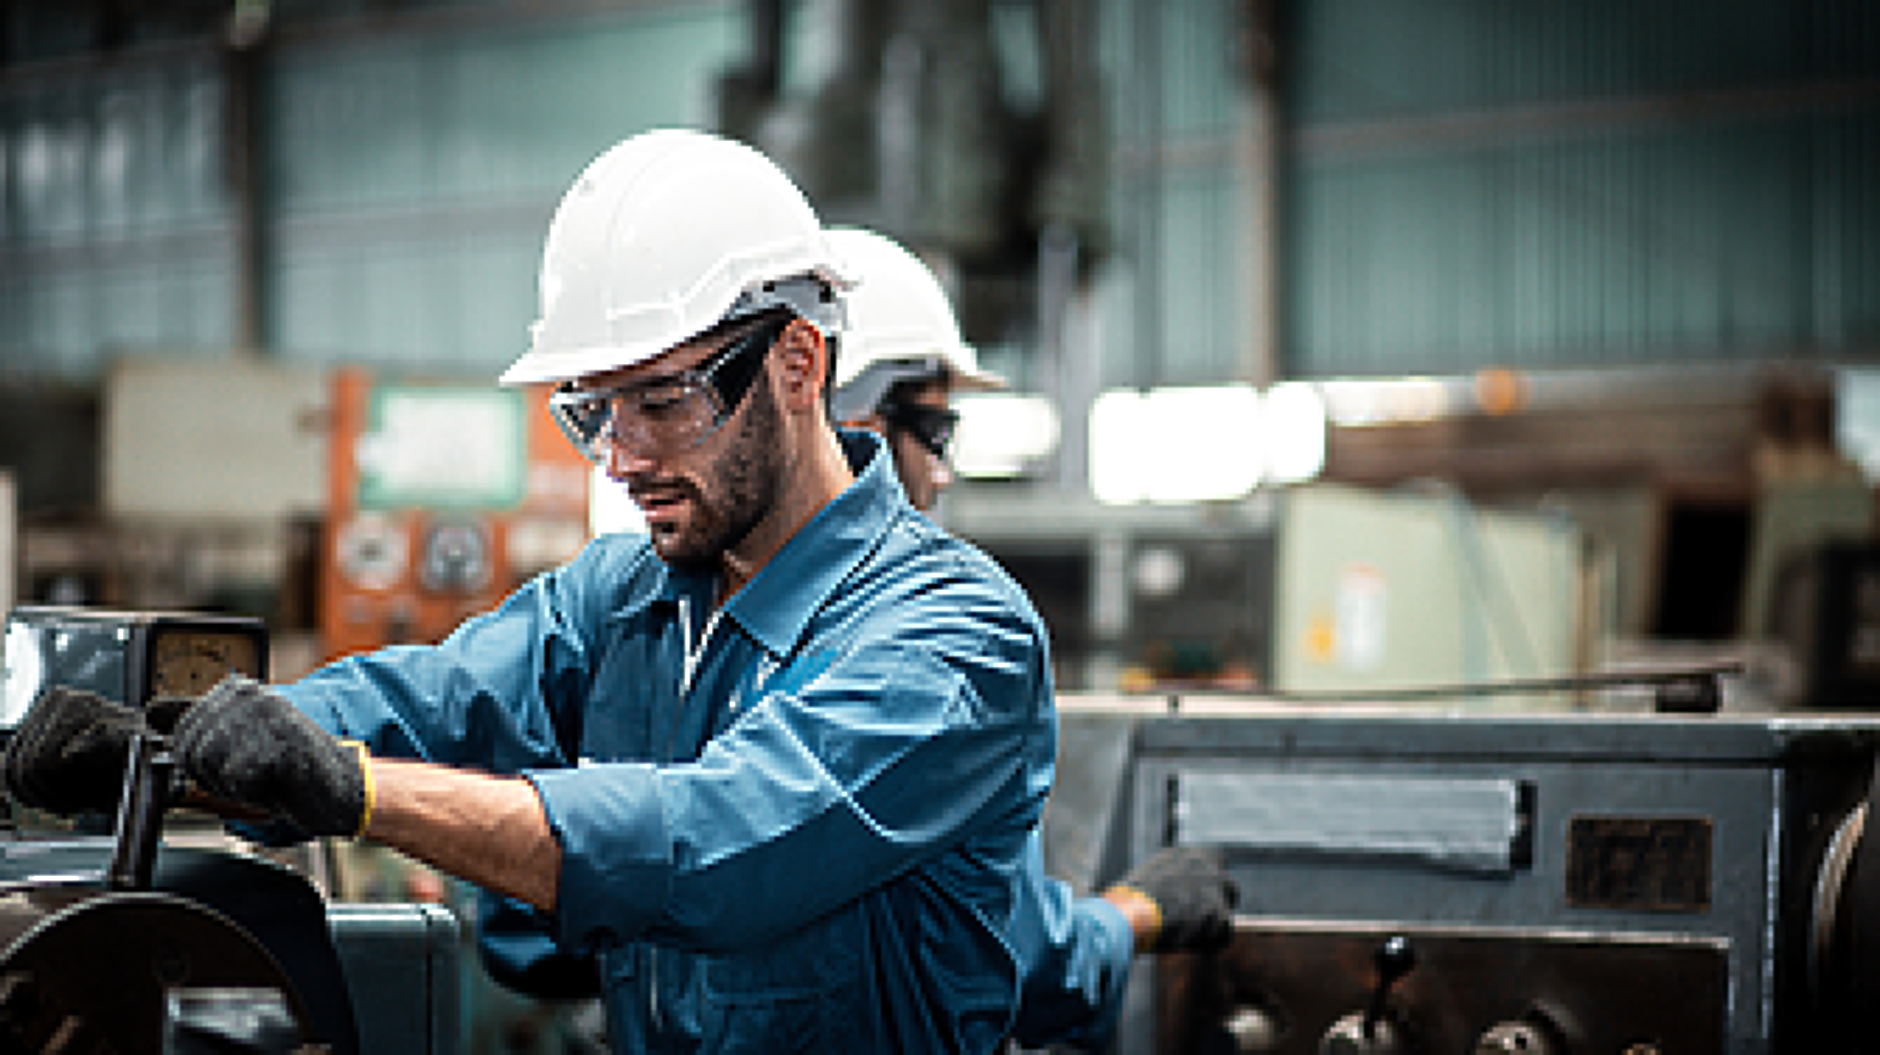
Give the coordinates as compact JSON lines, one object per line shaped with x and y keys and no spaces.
{"x":244,"y":178}
{"x":1147,"y":28}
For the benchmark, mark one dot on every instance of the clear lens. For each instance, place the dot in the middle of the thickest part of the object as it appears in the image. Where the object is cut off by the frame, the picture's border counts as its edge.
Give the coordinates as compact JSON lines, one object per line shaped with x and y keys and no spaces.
{"x":580,"y":415}
{"x":652,"y":420}
{"x":665,"y":415}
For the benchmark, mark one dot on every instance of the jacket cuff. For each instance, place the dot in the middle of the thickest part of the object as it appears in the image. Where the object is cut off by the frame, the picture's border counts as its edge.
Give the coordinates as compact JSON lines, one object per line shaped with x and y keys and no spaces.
{"x":616,"y":851}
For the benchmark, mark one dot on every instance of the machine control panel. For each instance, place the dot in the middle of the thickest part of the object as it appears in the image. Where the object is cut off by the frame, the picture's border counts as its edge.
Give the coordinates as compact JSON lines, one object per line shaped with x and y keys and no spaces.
{"x":1327,"y":986}
{"x":1422,"y":878}
{"x":129,"y":656}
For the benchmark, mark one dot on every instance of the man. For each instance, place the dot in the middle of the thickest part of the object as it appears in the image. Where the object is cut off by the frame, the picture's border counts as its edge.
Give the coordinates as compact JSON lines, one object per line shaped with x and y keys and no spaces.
{"x":900,"y":357}
{"x":776,"y":764}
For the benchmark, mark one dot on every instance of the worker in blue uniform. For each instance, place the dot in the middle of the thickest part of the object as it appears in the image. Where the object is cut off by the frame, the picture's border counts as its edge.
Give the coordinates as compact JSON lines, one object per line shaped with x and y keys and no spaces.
{"x":777,"y":764}
{"x":900,"y":358}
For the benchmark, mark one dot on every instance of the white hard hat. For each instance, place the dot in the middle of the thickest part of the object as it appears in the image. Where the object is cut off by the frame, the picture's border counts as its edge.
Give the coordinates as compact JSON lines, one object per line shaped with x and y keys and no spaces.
{"x":900,"y":326}
{"x":663,"y":237}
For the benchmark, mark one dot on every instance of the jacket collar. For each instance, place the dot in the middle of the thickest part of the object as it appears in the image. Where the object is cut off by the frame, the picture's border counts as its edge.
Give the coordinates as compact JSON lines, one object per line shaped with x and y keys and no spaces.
{"x":776,"y":605}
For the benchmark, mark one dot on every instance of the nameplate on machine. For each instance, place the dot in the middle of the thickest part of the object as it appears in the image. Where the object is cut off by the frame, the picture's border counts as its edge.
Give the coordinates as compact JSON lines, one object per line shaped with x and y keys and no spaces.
{"x":1646,"y":864}
{"x":1468,"y":824}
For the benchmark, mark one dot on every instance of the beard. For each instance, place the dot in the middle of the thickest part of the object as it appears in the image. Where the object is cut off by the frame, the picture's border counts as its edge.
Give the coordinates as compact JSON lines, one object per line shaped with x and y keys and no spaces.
{"x":730,"y":496}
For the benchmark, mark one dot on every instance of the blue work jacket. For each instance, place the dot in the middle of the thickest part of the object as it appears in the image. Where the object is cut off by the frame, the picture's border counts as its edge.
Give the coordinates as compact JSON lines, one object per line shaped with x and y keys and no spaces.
{"x":796,"y":822}
{"x":1075,"y":953}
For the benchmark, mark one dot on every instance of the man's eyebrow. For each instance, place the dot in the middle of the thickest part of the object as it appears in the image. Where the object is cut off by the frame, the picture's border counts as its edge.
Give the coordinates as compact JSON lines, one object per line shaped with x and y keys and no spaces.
{"x":639,"y":382}
{"x":718,"y":340}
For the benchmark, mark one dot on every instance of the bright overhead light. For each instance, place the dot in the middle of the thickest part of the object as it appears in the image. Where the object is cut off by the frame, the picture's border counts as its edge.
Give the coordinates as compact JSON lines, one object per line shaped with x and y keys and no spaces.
{"x":1294,"y":442}
{"x":1387,"y":401}
{"x":1175,"y":444}
{"x":1001,"y":434}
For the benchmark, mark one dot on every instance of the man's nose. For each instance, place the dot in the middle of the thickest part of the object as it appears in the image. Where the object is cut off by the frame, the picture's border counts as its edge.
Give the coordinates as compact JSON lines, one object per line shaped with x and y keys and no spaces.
{"x":942,"y":472}
{"x":622,"y":460}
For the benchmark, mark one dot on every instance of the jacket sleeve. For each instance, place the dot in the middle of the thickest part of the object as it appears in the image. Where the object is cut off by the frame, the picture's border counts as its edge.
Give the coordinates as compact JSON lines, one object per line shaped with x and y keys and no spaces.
{"x":501,"y":693}
{"x":518,"y":951}
{"x":1075,"y":953}
{"x":912,"y":738}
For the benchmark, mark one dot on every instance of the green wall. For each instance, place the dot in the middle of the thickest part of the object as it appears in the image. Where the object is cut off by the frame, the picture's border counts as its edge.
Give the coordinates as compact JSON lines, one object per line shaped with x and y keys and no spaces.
{"x":1569,"y":184}
{"x":1461,"y":182}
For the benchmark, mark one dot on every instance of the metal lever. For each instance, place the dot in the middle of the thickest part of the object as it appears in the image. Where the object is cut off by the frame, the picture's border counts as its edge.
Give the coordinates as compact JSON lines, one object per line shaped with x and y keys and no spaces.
{"x":1374,"y":1031}
{"x":148,"y":768}
{"x":1394,"y":958}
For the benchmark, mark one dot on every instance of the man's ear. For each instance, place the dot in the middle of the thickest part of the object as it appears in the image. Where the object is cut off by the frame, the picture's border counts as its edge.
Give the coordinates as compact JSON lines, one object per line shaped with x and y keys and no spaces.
{"x":801,"y":362}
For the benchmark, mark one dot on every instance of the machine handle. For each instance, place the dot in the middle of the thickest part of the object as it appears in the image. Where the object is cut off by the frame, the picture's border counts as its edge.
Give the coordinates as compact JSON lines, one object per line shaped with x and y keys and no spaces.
{"x":148,"y":769}
{"x":1394,"y":959}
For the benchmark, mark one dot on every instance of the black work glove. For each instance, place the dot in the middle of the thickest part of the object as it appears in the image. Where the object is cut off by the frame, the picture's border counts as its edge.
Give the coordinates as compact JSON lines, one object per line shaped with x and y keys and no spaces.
{"x":247,"y":744}
{"x":1193,"y":895}
{"x":67,"y":755}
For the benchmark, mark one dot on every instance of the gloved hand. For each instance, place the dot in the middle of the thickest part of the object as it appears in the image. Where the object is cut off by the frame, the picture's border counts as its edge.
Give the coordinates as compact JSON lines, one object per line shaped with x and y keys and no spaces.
{"x":248,"y":744}
{"x":1191,"y":895}
{"x":67,"y":755}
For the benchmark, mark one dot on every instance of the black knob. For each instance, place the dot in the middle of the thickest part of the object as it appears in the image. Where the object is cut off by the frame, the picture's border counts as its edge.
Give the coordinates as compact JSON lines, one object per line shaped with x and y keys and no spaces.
{"x":1394,"y":959}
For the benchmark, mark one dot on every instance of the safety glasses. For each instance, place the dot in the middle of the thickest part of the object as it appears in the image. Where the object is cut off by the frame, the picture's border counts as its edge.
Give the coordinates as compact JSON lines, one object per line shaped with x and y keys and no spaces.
{"x":664,"y":416}
{"x":931,"y":427}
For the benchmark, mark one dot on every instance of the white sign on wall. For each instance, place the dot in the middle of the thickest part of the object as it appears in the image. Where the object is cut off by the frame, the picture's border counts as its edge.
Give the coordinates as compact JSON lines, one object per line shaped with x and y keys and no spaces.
{"x":1361,"y":615}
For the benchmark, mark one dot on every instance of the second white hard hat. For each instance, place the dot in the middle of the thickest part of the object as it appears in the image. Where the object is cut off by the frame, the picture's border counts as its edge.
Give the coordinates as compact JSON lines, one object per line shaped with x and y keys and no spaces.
{"x":663,"y":237}
{"x":900,"y":326}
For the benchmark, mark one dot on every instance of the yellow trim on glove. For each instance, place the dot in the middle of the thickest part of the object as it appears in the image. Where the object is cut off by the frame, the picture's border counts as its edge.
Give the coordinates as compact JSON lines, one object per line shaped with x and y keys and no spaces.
{"x":371,"y":788}
{"x":1135,"y":895}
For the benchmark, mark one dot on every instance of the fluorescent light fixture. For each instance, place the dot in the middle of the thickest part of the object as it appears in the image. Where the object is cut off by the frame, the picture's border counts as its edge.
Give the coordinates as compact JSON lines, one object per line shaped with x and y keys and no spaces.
{"x":1175,"y":444}
{"x":1294,"y":426}
{"x":1001,"y":434}
{"x":1357,"y":403}
{"x":610,"y":510}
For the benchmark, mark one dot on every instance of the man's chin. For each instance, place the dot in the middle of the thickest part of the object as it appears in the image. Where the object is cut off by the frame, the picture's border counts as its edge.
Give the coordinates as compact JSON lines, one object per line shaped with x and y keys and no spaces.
{"x":680,"y":552}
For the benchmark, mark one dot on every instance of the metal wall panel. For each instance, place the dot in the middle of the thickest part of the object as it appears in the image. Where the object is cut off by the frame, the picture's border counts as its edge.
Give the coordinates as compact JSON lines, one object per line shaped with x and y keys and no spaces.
{"x":415,"y":176}
{"x":1179,"y":311}
{"x":1469,"y":182}
{"x":1595,"y":184}
{"x":112,"y":222}
{"x":1362,"y":60}
{"x":1206,"y":330}
{"x":410,"y":169}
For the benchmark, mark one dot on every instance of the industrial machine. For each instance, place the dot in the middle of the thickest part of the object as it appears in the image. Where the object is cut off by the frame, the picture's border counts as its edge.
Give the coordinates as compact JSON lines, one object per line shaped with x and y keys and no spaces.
{"x":1448,"y":877}
{"x":1315,"y":588}
{"x":119,"y":935}
{"x":442,"y":498}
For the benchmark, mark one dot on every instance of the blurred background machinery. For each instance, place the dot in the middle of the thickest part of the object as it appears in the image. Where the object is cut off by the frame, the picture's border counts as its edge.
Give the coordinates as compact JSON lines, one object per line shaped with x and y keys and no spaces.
{"x":1357,"y":350}
{"x":442,"y":498}
{"x":1612,"y":264}
{"x":1318,"y":588}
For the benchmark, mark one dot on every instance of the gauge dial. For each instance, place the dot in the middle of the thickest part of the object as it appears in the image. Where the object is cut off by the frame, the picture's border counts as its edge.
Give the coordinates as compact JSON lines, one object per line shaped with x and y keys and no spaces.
{"x":188,"y":661}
